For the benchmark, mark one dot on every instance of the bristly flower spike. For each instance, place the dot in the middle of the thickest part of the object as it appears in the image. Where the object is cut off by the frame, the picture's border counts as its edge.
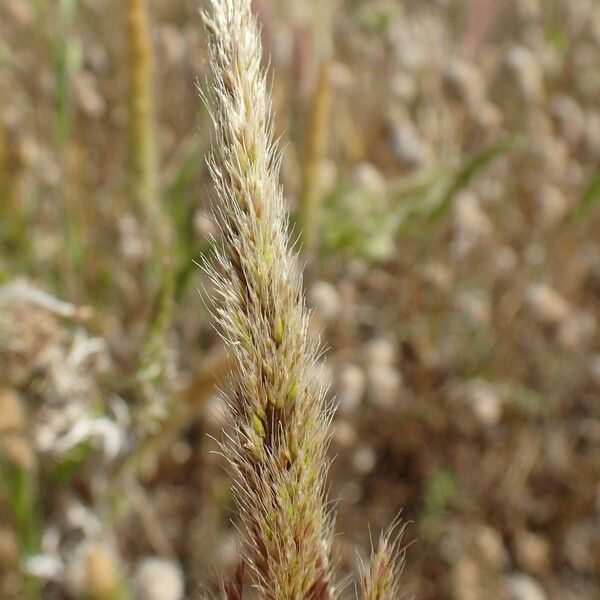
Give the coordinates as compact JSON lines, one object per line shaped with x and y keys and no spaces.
{"x":277,"y":444}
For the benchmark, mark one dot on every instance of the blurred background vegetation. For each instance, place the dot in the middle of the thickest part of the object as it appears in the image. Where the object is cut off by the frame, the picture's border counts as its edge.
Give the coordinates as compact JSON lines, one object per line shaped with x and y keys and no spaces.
{"x":442,"y":166}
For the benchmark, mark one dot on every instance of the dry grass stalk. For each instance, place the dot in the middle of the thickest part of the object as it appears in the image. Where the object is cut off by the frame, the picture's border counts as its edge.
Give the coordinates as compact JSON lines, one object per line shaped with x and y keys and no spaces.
{"x":277,"y":445}
{"x":314,"y":152}
{"x":143,"y":153}
{"x":9,"y":227}
{"x":156,"y":374}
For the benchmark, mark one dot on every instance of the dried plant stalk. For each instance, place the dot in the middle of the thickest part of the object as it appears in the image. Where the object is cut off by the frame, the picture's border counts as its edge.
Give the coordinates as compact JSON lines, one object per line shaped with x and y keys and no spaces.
{"x":143,"y":153}
{"x":277,"y":445}
{"x":156,"y":372}
{"x":11,"y":212}
{"x":314,"y":153}
{"x":380,"y":579}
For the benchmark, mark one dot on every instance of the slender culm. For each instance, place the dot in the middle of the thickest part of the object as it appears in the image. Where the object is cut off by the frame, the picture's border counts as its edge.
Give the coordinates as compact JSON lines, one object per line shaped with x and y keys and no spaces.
{"x":143,"y":154}
{"x":314,"y":152}
{"x":156,"y":372}
{"x":280,"y":422}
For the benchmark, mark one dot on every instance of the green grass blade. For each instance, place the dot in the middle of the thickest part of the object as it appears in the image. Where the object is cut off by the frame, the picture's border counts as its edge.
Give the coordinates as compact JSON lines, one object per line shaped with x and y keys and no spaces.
{"x":465,"y":174}
{"x":587,"y":201}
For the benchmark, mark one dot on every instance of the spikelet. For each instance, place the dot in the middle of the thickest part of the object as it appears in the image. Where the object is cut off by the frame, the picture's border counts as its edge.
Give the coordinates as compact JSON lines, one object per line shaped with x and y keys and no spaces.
{"x":277,"y":444}
{"x":380,"y":579}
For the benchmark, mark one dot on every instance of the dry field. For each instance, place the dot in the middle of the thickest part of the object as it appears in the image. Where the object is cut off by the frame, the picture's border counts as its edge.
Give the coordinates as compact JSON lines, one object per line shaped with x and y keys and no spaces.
{"x":441,"y":168}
